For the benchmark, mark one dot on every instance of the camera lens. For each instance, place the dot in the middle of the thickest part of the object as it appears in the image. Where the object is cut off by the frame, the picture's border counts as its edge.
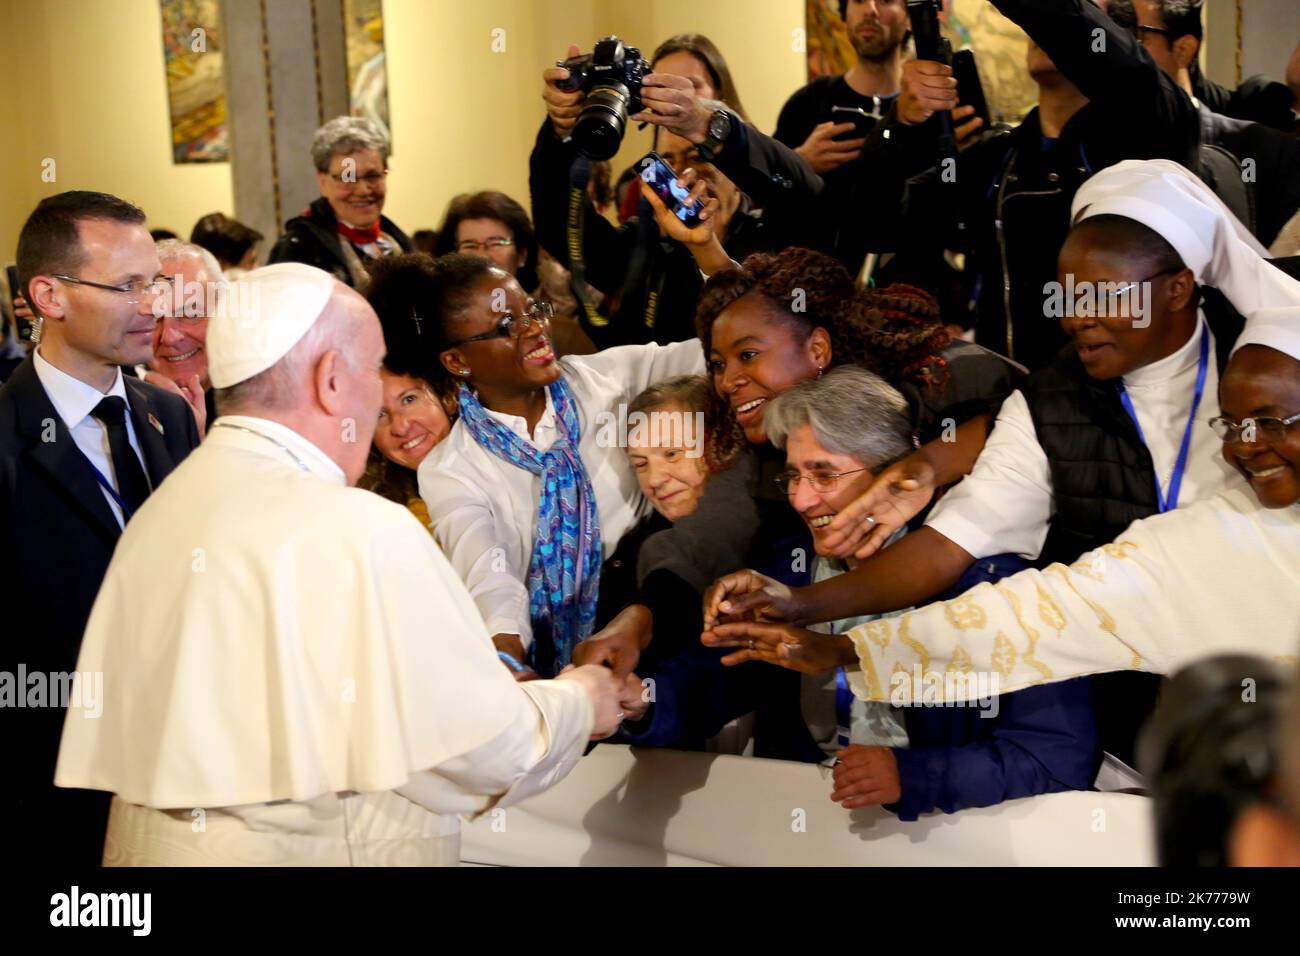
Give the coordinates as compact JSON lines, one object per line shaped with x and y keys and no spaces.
{"x":600,"y":126}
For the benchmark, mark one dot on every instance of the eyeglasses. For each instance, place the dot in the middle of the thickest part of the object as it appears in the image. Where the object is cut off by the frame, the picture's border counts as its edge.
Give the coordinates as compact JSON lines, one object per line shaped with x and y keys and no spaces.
{"x":1139,"y":29}
{"x":471,"y":245}
{"x":1112,"y":296}
{"x":788,"y":481}
{"x":1271,"y":430}
{"x":370,"y":179}
{"x":136,"y":292}
{"x":513,"y":326}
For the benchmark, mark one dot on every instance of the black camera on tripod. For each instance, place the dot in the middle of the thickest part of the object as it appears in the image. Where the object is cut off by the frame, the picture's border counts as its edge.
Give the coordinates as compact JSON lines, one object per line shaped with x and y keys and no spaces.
{"x":611,"y":77}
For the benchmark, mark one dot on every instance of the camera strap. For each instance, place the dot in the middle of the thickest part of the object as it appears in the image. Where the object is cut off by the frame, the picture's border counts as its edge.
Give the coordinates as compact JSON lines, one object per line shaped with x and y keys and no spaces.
{"x":579,"y":174}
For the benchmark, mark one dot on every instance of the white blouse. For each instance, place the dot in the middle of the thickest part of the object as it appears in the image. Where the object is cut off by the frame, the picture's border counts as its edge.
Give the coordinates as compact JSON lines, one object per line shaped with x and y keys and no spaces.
{"x":483,"y":510}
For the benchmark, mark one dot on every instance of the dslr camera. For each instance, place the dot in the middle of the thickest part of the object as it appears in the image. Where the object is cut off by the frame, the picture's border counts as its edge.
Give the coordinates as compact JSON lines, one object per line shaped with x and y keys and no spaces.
{"x":610,"y":76}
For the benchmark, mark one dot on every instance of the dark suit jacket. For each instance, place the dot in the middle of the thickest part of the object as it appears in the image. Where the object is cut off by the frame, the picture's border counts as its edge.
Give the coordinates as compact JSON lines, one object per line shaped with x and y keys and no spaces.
{"x":57,"y":534}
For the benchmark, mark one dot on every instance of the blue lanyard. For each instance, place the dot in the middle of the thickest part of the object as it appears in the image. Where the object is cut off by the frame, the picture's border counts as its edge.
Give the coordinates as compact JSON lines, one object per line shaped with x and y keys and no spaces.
{"x":108,"y":486}
{"x":1169,"y":500}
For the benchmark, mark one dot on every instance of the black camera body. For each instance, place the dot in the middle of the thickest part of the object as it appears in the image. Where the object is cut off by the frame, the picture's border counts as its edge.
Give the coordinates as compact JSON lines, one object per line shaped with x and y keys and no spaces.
{"x":611,"y":77}
{"x":930,"y":44}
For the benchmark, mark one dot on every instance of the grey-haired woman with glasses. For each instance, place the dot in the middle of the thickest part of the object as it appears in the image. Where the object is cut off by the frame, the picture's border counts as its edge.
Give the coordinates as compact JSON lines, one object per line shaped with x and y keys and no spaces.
{"x":345,"y":232}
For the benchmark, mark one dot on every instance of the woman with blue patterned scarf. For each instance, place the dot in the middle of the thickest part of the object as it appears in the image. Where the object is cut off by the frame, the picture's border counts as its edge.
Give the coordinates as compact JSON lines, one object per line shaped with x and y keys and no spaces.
{"x":532,"y":489}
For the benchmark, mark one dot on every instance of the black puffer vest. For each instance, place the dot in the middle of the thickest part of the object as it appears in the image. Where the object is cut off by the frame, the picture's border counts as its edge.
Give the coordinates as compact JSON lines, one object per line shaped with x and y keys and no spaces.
{"x":1102,"y":473}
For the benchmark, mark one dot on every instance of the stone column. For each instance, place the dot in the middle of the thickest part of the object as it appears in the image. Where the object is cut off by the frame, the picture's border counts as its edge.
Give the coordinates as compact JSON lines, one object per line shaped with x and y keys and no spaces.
{"x":286,"y":73}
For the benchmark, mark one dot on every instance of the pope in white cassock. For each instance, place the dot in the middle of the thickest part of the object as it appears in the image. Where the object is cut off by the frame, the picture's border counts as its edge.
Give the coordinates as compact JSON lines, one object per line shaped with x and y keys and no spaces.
{"x":293,"y":673}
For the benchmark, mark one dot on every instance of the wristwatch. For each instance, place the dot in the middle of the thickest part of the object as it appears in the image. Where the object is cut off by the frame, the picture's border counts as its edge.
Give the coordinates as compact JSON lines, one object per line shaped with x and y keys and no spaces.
{"x":720,"y":127}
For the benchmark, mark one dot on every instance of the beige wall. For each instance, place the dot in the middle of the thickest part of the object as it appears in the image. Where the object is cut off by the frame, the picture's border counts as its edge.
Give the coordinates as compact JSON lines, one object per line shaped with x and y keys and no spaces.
{"x":465,"y":117}
{"x":81,"y":81}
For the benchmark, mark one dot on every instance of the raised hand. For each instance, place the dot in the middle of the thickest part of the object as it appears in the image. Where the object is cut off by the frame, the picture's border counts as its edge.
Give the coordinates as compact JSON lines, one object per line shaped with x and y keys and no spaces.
{"x":823,"y":152}
{"x":897,"y":495}
{"x":562,"y":106}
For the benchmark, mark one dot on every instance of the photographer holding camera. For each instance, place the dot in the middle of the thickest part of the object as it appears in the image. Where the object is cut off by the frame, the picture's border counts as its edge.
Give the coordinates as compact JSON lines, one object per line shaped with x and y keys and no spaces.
{"x":652,"y":281}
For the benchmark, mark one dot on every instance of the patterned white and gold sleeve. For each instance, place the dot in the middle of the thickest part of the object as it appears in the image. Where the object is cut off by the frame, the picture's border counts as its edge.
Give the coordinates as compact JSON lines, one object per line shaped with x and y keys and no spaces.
{"x":1032,"y":627}
{"x":1203,"y":580}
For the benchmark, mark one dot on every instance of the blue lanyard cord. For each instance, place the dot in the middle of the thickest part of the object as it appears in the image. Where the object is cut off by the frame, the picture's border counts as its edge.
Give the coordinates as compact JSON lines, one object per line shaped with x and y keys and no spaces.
{"x":108,"y":486}
{"x":1169,"y":499}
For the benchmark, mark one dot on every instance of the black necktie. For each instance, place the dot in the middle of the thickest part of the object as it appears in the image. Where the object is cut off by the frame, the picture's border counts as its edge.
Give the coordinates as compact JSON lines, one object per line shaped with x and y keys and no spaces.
{"x":132,"y":485}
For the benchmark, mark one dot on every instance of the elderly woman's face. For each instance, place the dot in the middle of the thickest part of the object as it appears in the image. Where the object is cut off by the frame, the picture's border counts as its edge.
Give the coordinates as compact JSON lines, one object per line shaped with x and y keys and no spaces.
{"x":817,"y":506}
{"x":411,"y":422}
{"x":670,"y":472}
{"x":355,"y":186}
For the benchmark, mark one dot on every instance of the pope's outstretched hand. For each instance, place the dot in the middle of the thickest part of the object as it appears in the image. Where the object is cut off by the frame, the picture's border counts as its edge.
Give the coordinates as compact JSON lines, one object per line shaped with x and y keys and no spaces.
{"x":604,"y":690}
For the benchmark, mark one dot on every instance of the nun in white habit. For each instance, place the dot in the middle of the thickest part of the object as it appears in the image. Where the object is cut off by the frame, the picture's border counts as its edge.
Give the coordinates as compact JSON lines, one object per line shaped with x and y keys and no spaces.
{"x":1220,"y":576}
{"x":293,"y":673}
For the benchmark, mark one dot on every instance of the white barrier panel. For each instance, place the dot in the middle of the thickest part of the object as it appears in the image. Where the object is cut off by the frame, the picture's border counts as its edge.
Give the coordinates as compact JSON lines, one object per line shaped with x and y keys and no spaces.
{"x":631,"y":807}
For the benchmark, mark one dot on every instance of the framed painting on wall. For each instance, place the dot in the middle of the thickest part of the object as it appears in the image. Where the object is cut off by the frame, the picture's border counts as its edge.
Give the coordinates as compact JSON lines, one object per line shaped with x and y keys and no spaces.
{"x":363,"y":23}
{"x":196,"y":89}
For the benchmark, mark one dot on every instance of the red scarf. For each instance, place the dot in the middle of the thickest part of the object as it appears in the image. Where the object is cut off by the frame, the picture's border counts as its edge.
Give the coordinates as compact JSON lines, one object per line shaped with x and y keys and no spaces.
{"x":359,"y":237}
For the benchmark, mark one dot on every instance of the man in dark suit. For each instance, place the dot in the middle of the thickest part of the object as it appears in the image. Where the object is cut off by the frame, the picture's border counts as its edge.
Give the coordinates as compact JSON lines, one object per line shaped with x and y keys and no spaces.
{"x":81,"y":447}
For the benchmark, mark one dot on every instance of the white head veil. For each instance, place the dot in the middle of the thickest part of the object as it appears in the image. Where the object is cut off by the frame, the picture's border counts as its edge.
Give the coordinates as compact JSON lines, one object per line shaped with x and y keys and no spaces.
{"x":1213,"y":243}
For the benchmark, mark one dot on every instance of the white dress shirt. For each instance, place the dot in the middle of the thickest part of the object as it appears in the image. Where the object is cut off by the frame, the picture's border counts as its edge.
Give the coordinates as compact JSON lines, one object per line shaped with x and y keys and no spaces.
{"x":74,"y":400}
{"x":1004,"y":506}
{"x":483,"y":510}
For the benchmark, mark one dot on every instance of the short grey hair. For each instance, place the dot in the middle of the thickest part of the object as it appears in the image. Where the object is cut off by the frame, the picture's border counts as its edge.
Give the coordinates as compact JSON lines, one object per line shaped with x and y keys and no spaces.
{"x":851,"y":412}
{"x":175,"y":248}
{"x":346,"y":135}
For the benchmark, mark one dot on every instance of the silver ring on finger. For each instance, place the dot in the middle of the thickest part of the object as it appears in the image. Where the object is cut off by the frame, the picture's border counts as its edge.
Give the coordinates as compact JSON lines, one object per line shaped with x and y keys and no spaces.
{"x":751,"y":643}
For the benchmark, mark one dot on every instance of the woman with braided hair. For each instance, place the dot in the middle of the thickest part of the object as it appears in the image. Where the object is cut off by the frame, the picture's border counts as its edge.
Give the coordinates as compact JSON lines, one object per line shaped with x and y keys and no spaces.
{"x":766,"y":326}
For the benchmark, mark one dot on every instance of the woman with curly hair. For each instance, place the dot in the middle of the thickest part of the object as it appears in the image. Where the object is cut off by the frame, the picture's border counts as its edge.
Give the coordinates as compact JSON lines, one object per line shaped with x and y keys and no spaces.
{"x":766,"y":326}
{"x":528,"y":493}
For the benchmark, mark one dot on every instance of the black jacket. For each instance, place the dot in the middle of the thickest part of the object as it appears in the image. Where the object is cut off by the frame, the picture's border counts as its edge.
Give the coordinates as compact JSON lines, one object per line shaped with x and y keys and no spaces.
{"x":313,"y":238}
{"x":1257,"y":100}
{"x":652,"y":284}
{"x":1122,"y":79}
{"x":833,"y":223}
{"x":57,"y":534}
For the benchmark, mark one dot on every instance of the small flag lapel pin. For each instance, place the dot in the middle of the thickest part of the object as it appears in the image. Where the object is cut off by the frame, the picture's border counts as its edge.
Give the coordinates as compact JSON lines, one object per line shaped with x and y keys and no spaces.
{"x":156,"y":424}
